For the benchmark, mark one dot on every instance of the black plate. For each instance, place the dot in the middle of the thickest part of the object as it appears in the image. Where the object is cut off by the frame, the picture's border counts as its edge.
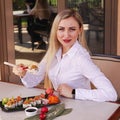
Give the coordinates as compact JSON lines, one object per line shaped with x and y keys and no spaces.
{"x":20,"y":108}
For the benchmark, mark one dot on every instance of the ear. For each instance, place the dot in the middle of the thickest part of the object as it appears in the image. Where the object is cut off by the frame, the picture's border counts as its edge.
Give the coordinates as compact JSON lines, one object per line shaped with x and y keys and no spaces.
{"x":81,"y":29}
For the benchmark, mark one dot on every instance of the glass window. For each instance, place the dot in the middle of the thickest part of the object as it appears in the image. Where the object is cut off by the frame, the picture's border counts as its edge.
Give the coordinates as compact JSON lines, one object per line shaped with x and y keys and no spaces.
{"x":92,"y":12}
{"x":52,"y":2}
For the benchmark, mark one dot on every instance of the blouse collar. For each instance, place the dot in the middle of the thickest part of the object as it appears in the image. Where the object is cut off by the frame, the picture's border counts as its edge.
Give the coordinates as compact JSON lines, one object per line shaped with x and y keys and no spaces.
{"x":70,"y":52}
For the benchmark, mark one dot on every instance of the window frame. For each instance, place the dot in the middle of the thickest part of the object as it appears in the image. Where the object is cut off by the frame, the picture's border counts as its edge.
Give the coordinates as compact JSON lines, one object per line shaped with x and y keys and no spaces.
{"x":111,"y":23}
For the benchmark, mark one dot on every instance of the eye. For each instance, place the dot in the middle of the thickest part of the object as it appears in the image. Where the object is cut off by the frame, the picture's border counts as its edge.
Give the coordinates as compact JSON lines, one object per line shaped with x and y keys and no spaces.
{"x":60,"y":28}
{"x":72,"y":29}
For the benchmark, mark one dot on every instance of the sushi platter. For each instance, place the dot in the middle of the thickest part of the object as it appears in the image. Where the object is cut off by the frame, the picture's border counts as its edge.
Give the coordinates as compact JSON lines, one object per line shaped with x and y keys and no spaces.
{"x":19,"y":104}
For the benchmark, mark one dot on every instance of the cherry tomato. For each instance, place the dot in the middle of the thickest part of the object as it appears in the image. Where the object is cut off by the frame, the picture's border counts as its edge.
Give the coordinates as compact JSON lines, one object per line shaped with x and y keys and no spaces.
{"x":44,"y":109}
{"x":42,"y":116}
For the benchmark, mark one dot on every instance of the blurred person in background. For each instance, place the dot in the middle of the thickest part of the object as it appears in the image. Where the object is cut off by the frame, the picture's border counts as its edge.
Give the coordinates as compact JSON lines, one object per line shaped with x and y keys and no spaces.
{"x":39,"y":21}
{"x":29,"y":5}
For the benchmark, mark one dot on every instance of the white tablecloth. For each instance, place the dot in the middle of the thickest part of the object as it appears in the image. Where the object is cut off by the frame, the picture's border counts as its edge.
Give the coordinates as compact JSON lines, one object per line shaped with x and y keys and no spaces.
{"x":82,"y":110}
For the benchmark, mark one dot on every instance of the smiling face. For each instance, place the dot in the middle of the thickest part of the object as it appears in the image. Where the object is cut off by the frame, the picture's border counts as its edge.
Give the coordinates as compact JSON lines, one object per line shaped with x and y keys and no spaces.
{"x":67,"y":33}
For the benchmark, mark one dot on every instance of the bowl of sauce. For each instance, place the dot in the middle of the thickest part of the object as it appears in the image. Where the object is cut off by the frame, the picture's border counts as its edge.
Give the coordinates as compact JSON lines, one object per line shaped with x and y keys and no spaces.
{"x":31,"y":111}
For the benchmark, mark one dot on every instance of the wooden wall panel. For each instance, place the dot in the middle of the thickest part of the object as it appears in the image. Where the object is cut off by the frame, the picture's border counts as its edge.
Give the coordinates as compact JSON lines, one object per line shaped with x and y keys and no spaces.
{"x":7,"y":52}
{"x":118,"y":30}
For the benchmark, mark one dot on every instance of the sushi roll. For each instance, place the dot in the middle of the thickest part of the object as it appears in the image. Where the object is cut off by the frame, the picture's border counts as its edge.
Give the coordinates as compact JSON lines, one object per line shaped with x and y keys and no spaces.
{"x":45,"y":101}
{"x":19,"y":101}
{"x":37,"y":99}
{"x":5,"y":100}
{"x":26,"y":103}
{"x":32,"y":101}
{"x":33,"y":67}
{"x":10,"y":104}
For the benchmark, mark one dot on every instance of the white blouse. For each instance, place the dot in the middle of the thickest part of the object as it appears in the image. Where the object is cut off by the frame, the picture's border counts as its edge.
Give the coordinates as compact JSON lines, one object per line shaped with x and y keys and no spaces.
{"x":76,"y":69}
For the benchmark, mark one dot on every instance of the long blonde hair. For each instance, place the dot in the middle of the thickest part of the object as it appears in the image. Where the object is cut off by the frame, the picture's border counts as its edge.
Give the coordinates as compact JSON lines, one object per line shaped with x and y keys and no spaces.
{"x":54,"y":45}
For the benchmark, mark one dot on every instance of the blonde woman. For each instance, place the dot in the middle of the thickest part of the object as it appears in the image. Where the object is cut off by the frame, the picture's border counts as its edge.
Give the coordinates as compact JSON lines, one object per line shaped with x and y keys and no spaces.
{"x":68,"y":65}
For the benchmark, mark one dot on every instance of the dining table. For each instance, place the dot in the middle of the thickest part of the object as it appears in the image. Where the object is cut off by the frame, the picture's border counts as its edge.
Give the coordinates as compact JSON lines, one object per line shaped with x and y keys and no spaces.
{"x":81,"y":109}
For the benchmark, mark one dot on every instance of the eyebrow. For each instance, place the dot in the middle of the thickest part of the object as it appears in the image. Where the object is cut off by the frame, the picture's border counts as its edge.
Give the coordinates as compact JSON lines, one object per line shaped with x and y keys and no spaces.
{"x":69,"y":27}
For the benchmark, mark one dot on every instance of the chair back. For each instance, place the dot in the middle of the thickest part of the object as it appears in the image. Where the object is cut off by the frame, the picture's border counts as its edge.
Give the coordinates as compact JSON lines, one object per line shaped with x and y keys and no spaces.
{"x":111,"y":68}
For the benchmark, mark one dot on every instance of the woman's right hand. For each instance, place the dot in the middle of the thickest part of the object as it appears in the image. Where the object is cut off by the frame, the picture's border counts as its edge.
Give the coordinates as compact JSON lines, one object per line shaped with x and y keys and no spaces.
{"x":20,"y":70}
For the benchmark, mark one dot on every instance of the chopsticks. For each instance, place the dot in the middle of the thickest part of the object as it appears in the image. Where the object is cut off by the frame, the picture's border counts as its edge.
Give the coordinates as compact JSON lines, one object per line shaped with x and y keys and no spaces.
{"x":9,"y":64}
{"x":13,"y":65}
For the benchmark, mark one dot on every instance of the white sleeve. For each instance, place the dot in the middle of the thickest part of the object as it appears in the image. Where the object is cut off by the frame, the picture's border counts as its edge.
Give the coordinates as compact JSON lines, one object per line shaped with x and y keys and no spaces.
{"x":33,"y":79}
{"x":104,"y":89}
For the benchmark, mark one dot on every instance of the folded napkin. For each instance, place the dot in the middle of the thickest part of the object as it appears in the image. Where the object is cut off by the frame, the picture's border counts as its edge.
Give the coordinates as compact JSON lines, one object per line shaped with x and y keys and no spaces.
{"x":54,"y":112}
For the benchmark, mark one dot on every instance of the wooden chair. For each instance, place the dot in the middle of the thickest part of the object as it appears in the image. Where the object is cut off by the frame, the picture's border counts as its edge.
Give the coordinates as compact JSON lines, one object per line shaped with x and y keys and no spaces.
{"x":110,"y":66}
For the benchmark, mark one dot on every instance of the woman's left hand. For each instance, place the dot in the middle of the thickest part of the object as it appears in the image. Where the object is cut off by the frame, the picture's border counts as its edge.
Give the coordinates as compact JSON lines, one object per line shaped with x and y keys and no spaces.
{"x":65,"y":90}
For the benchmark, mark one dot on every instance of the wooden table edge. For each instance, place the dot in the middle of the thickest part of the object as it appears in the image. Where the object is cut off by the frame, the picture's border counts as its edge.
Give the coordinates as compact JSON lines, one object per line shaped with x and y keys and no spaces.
{"x":115,"y":115}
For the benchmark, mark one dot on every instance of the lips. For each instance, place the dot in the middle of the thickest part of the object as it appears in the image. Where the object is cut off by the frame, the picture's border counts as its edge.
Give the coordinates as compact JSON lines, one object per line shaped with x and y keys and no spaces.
{"x":67,"y":40}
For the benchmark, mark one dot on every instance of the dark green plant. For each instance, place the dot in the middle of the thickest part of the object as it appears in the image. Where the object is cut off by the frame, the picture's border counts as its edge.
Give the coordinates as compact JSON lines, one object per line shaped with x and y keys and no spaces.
{"x":52,"y":2}
{"x":18,"y":5}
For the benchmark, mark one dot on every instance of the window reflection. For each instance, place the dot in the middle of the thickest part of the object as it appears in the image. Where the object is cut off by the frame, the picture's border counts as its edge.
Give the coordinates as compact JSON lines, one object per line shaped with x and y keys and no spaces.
{"x":92,"y":12}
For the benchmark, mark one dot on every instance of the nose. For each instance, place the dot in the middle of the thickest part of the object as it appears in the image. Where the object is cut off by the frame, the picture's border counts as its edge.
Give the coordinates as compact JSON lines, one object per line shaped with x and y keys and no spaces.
{"x":66,"y":33}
